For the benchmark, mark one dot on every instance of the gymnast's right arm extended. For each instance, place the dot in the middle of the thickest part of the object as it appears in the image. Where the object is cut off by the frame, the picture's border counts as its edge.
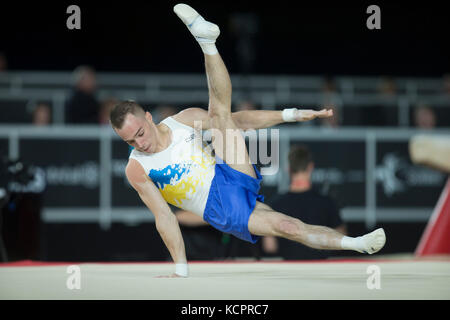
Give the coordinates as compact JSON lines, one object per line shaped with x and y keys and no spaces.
{"x":166,"y":221}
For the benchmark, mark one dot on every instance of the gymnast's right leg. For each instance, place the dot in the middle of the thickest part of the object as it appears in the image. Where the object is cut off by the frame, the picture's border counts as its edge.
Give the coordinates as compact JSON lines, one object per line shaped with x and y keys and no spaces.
{"x":228,"y":143}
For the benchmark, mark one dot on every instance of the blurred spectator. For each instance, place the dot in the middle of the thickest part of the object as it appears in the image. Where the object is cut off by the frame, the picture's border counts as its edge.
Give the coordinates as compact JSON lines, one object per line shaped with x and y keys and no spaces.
{"x":378,"y":114}
{"x":105,"y":109}
{"x":329,"y":86}
{"x":446,"y":84}
{"x":387,"y":87}
{"x":202,"y":242}
{"x":306,"y":204}
{"x":3,"y":62}
{"x":330,"y":100}
{"x":83,"y":107}
{"x":164,"y":111}
{"x":42,"y":115}
{"x":424,"y":117}
{"x":244,"y":29}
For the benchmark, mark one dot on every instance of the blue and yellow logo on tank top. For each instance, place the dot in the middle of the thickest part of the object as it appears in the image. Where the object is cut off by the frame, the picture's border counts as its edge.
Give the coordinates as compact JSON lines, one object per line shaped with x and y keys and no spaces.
{"x":168,"y":181}
{"x":179,"y":182}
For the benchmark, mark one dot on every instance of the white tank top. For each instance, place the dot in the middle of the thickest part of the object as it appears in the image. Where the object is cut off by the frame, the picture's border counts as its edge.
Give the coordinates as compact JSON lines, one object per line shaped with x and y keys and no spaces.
{"x":184,"y":170}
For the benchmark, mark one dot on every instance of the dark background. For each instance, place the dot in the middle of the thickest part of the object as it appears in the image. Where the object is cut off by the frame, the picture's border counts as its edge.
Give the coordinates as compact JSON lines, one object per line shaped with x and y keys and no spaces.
{"x":294,"y":37}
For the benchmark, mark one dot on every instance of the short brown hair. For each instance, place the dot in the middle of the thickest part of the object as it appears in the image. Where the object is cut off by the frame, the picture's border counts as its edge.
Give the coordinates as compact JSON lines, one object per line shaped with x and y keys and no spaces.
{"x":120,"y":111}
{"x":299,"y":158}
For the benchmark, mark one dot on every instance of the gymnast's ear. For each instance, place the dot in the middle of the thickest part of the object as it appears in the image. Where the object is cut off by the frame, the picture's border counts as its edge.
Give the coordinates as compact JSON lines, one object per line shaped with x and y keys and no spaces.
{"x":148,"y":116}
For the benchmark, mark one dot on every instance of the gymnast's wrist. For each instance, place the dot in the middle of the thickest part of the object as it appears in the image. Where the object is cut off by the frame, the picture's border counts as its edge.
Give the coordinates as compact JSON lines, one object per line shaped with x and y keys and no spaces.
{"x":181,"y":269}
{"x":289,"y":115}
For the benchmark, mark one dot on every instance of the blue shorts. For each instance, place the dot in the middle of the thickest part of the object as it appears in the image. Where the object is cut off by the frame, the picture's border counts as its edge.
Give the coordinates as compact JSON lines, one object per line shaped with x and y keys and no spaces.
{"x":231,"y":200}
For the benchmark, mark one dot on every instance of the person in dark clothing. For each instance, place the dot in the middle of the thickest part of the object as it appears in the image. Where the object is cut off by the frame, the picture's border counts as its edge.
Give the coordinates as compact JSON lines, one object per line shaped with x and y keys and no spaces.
{"x":83,"y":107}
{"x":305,"y":203}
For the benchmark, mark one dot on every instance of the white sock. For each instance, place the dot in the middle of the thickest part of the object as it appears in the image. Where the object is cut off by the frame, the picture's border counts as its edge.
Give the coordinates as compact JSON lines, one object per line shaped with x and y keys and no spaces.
{"x":208,"y":46}
{"x":369,"y":243}
{"x":204,"y":31}
{"x":350,"y":243}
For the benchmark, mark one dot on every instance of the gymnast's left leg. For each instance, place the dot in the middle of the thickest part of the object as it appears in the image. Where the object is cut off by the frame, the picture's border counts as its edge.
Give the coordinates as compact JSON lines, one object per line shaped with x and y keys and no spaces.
{"x":264,"y":221}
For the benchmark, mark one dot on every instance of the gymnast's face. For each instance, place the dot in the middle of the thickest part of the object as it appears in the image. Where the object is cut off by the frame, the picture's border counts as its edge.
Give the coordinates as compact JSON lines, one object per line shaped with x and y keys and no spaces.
{"x":140,"y":132}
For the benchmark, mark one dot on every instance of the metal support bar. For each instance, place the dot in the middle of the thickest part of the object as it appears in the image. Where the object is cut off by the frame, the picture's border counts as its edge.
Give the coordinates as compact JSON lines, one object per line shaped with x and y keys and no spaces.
{"x":371,"y":190}
{"x":105,"y":179}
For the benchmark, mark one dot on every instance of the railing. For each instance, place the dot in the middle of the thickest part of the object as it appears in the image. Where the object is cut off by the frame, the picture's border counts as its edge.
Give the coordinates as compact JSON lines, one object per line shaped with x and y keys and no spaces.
{"x":367,"y":170}
{"x":268,"y":91}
